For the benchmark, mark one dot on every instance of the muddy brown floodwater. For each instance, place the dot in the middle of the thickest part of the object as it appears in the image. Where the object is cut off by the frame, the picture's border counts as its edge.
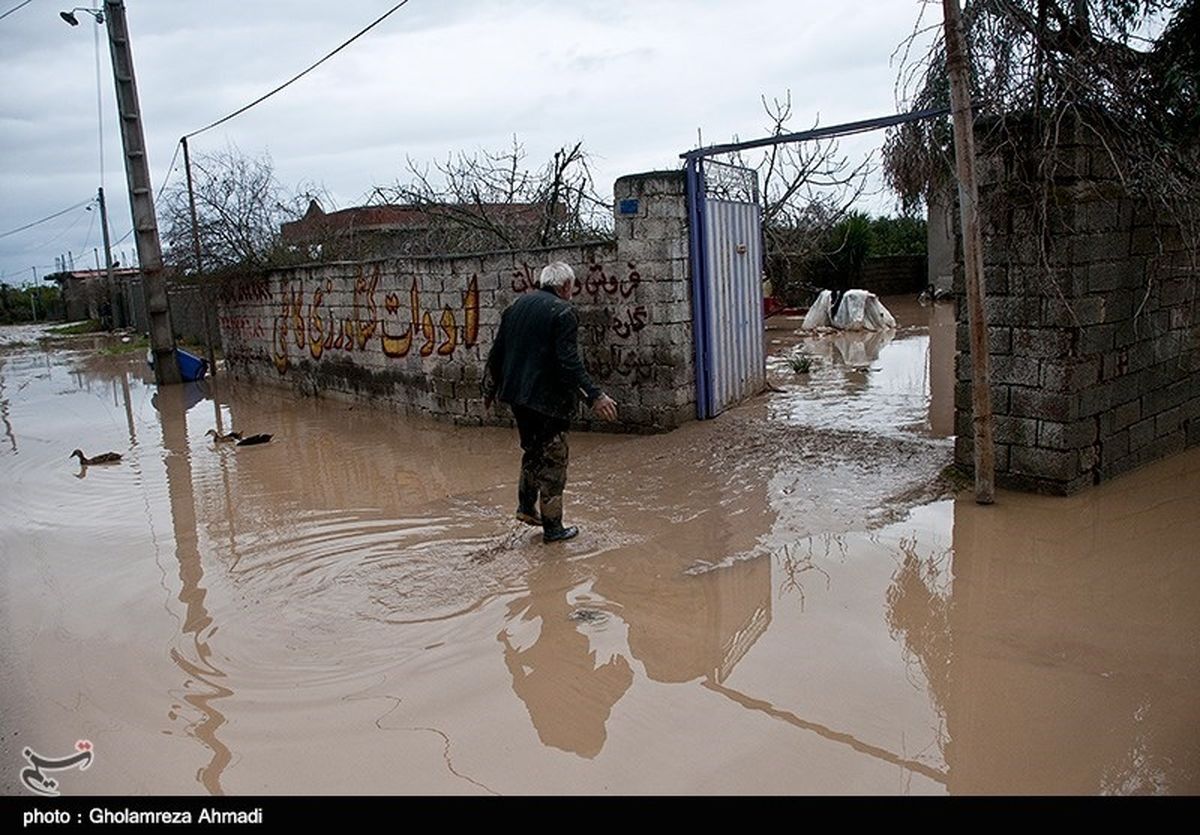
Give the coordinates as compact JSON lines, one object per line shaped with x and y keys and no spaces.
{"x":783,"y":599}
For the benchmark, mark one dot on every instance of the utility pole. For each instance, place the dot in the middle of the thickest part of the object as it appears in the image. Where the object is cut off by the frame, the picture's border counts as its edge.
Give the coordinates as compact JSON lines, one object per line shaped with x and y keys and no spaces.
{"x":208,"y":344}
{"x":141,"y":197}
{"x":114,"y":293}
{"x":968,"y":200}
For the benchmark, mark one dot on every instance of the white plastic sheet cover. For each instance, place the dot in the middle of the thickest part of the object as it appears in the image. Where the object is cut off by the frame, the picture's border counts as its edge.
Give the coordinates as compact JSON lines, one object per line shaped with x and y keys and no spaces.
{"x":818,"y":314}
{"x":861,"y":310}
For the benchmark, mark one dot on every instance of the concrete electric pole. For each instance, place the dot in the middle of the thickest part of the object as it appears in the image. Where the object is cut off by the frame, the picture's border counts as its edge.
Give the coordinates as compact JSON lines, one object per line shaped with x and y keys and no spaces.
{"x":141,"y":197}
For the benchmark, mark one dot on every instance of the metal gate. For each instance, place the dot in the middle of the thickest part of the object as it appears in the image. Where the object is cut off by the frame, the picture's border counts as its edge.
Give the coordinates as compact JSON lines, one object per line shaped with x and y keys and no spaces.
{"x":726,"y":253}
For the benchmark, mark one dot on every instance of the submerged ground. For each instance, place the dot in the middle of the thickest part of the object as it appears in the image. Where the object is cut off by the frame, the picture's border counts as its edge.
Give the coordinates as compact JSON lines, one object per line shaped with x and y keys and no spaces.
{"x":785,"y":599}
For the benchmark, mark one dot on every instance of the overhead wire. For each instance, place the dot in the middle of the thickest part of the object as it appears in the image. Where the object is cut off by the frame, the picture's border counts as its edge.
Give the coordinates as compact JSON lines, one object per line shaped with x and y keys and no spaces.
{"x":15,"y":8}
{"x":211,"y":125}
{"x":78,"y":205}
{"x":302,"y":73}
{"x":158,"y":195}
{"x":64,"y":232}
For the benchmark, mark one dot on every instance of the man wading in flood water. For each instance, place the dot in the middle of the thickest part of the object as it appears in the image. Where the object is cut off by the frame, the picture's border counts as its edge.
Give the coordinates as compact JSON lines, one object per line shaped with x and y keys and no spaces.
{"x":534,"y":367}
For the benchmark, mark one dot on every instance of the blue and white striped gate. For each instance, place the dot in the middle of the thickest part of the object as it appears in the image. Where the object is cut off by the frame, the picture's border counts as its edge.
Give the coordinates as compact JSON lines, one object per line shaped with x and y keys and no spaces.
{"x":726,"y":252}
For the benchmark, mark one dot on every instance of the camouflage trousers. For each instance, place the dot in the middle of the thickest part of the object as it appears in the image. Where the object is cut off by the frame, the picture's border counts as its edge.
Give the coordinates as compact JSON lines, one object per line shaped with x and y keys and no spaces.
{"x":543,"y":465}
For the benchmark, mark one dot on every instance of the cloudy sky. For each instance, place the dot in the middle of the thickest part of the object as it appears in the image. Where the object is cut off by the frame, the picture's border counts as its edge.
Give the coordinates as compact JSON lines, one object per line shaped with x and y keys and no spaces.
{"x":634,"y":79}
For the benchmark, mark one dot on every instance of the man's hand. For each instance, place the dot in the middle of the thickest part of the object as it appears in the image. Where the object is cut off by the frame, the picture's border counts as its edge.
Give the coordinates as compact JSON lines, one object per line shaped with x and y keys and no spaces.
{"x":605,"y":408}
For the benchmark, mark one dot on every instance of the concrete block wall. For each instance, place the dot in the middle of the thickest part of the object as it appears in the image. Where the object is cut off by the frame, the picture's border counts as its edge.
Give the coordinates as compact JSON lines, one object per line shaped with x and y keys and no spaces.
{"x":189,"y":304}
{"x":1093,"y":328}
{"x":889,"y":275}
{"x":413,"y":334}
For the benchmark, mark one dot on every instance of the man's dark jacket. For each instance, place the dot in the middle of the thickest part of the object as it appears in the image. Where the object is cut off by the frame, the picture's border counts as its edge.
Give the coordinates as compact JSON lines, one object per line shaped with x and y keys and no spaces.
{"x":534,"y":361}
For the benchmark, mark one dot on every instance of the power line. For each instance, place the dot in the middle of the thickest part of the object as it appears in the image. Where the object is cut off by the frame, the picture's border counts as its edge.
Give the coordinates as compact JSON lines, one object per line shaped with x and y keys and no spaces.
{"x":91,"y":228}
{"x":170,"y":168}
{"x":59,"y":235}
{"x":238,"y":112}
{"x":302,"y":73}
{"x":15,"y":8}
{"x":78,"y":205}
{"x":63,"y":233}
{"x":158,"y":196}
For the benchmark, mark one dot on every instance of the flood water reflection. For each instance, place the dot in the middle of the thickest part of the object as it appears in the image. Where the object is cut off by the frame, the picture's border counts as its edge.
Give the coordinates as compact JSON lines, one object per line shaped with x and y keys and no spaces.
{"x":880,"y":381}
{"x":1073,"y":634}
{"x":350,"y":608}
{"x":202,"y":688}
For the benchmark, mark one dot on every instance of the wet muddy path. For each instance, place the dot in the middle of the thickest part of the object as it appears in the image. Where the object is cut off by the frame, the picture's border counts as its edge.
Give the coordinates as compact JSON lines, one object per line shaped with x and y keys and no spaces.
{"x":759,"y":603}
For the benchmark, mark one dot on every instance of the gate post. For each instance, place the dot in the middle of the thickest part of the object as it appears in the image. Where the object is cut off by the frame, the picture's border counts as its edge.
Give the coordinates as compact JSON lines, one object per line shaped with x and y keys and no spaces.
{"x":699,"y":270}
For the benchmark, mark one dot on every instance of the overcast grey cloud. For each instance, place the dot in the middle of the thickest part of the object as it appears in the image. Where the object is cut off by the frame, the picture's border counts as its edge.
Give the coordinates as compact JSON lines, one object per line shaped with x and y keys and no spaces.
{"x":634,"y":80}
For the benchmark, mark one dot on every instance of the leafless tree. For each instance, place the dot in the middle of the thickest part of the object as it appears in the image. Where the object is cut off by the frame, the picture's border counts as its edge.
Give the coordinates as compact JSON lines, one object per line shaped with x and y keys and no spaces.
{"x":1123,"y":75}
{"x":485,"y":200}
{"x":1127,"y":71}
{"x":239,"y":208}
{"x":806,"y":189}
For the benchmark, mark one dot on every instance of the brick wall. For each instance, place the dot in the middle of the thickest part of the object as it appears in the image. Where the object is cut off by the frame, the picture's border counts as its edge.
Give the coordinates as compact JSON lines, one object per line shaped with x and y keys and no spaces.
{"x":1093,"y":328}
{"x":413,"y":333}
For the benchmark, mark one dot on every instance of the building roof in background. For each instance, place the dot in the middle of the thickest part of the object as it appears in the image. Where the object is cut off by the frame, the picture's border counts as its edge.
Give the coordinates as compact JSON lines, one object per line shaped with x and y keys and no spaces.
{"x":85,"y":275}
{"x":398,"y":218}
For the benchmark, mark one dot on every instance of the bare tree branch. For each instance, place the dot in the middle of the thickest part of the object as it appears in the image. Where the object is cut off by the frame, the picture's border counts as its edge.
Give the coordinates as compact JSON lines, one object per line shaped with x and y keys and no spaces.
{"x":474,"y":202}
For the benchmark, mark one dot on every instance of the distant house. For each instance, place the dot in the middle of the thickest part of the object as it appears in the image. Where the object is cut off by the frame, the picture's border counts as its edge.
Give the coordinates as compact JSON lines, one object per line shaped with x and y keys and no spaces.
{"x":404,"y":229}
{"x":86,"y":294}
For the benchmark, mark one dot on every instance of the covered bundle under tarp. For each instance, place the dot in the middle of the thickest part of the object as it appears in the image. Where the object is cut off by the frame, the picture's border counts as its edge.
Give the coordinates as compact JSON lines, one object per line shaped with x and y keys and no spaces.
{"x":857,"y":310}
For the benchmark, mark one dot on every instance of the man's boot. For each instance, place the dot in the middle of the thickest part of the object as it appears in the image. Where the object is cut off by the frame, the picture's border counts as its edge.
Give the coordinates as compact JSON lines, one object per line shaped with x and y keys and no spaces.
{"x":552,"y":526}
{"x":527,"y":499}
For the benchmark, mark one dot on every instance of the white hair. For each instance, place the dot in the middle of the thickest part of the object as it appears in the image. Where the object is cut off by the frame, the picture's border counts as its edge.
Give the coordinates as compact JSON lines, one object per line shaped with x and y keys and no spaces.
{"x":556,"y":275}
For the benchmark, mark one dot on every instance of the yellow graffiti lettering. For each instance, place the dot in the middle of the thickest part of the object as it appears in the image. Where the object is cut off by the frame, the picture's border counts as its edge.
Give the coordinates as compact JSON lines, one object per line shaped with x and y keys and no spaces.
{"x":365,"y":326}
{"x":300,"y":319}
{"x":316,"y":328}
{"x":298,"y":330}
{"x":391,"y":345}
{"x":450,"y":328}
{"x":414,"y":298}
{"x":279,"y":340}
{"x":427,"y":331}
{"x":471,"y":312}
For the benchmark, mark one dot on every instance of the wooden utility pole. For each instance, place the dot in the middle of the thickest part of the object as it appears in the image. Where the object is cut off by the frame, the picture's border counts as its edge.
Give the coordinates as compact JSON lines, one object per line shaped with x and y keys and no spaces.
{"x":141,"y":197}
{"x":968,"y":201}
{"x":114,"y":293}
{"x":208,"y":343}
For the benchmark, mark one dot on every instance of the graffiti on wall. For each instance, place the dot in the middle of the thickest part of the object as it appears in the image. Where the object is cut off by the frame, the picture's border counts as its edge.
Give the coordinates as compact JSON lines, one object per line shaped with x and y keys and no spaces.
{"x":624,"y":361}
{"x":598,"y":287}
{"x":245,"y":290}
{"x":316,"y":320}
{"x":307,"y":322}
{"x":242,"y":328}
